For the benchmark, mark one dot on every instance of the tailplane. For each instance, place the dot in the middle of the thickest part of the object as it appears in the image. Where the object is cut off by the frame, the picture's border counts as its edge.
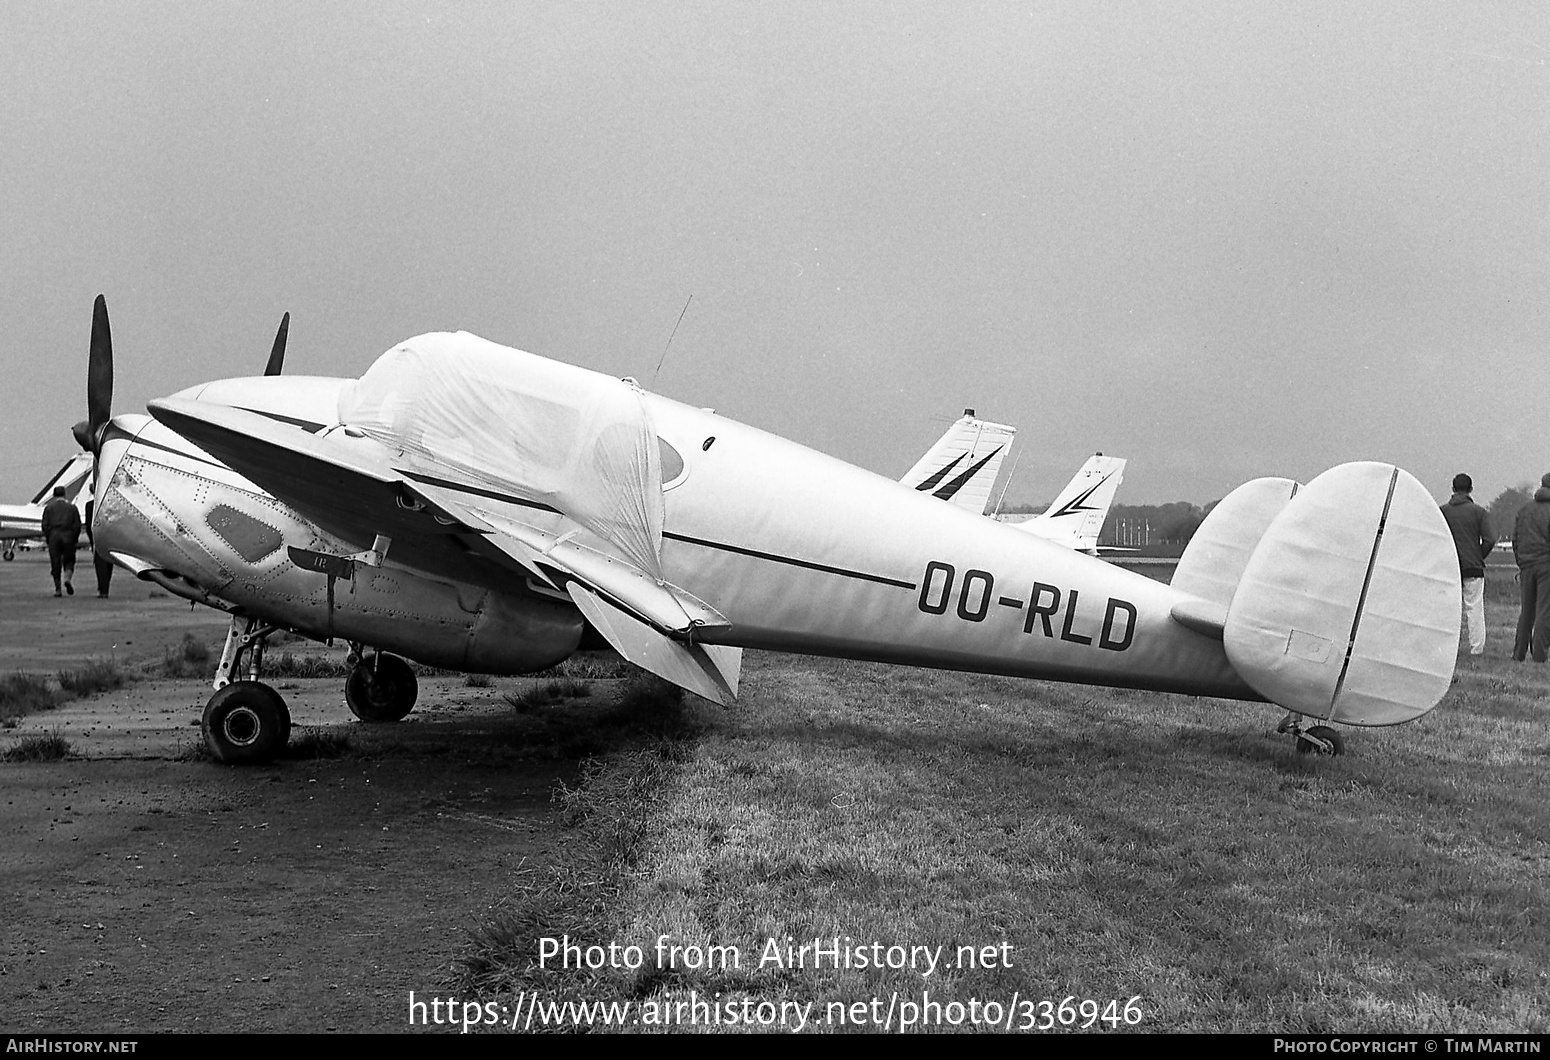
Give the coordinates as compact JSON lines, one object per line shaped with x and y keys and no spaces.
{"x":961,"y":467}
{"x":1338,"y":602}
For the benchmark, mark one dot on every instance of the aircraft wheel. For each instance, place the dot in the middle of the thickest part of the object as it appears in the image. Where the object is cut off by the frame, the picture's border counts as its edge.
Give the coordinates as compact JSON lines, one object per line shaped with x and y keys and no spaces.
{"x":10,"y":554}
{"x":381,"y":689}
{"x":246,"y":723}
{"x":1325,"y":733}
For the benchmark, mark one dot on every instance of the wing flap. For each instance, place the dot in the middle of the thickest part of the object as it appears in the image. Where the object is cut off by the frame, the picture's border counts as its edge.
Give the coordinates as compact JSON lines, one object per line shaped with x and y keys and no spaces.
{"x":707,"y":670}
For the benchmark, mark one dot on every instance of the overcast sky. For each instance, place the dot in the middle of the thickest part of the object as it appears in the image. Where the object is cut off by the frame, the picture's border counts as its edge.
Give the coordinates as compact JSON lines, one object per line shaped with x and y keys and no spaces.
{"x":1222,"y":240}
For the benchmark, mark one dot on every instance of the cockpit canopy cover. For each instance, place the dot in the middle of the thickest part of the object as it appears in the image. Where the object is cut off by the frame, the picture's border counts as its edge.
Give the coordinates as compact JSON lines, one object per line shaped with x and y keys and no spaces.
{"x":508,"y":421}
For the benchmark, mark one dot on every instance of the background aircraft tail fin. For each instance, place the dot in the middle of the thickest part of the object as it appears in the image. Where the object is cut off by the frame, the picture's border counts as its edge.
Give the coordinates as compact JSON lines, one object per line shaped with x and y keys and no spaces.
{"x":75,"y":477}
{"x":1076,"y":517}
{"x":961,"y":468}
{"x":1347,"y":608}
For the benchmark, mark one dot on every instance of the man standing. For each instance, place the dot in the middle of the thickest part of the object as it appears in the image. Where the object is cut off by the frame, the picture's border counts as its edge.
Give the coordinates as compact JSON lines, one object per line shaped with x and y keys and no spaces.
{"x":62,"y":532}
{"x":1473,"y":538}
{"x":1531,"y":546}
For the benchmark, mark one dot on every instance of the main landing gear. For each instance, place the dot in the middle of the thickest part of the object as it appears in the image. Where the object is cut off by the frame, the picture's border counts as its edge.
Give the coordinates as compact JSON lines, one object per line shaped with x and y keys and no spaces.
{"x":381,"y":688}
{"x":1320,"y":739}
{"x":247,"y":722}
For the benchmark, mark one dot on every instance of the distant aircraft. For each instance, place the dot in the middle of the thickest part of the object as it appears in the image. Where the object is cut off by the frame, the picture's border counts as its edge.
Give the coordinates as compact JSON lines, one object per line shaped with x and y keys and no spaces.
{"x":471,"y":506}
{"x":961,"y":467}
{"x":1076,"y":517}
{"x":20,"y":522}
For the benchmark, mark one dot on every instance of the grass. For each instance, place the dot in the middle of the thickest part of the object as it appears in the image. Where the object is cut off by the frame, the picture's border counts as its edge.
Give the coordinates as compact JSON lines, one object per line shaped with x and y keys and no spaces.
{"x":49,"y":747}
{"x":191,"y":658}
{"x":1101,"y":844}
{"x":22,"y":694}
{"x":96,"y":676}
{"x":547,"y":694}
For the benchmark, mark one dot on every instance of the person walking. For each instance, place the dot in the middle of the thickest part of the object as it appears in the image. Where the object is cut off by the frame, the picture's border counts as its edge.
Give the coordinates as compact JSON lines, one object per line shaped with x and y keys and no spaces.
{"x":61,"y":525}
{"x":1531,"y":548}
{"x":1474,"y":539}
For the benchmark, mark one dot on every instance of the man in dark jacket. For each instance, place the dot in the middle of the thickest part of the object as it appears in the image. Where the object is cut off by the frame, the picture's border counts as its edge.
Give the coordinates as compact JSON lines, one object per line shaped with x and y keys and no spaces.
{"x":1473,"y":538}
{"x":62,"y":532}
{"x":1531,"y":546}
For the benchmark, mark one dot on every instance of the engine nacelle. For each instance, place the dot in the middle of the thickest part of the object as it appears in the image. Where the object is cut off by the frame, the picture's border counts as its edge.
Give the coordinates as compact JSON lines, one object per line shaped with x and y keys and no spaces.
{"x":220,"y":537}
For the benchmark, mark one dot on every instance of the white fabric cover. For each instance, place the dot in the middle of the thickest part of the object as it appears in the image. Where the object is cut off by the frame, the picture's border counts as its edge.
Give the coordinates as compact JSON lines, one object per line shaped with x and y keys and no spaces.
{"x":1336,"y":618}
{"x":509,"y":421}
{"x":1221,"y":546}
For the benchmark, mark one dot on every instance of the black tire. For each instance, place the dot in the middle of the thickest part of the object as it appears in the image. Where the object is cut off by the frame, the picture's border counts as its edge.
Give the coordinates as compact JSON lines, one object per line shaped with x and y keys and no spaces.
{"x":10,"y":554}
{"x":382,"y":688}
{"x":1325,"y":733}
{"x":246,"y":723}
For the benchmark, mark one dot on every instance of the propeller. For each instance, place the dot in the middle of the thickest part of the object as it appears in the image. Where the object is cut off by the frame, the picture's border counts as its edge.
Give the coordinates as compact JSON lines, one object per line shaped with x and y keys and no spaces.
{"x":277,"y":354}
{"x":99,"y":381}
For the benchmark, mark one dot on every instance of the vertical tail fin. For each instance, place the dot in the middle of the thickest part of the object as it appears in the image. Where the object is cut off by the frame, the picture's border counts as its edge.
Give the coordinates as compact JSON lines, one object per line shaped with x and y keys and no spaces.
{"x":74,"y":477}
{"x":961,"y":468}
{"x":1076,"y":517}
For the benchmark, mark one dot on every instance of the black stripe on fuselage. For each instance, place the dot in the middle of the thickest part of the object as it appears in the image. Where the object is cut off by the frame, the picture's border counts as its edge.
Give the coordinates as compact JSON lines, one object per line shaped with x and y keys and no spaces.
{"x":790,"y":560}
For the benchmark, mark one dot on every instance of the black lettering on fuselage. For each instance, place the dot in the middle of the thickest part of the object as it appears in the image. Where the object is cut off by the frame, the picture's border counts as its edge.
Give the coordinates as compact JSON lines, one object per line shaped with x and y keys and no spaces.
{"x":977,"y":590}
{"x":1107,"y":639}
{"x":968,"y":608}
{"x":1042,"y":611}
{"x":1065,"y":630}
{"x":928,"y":588}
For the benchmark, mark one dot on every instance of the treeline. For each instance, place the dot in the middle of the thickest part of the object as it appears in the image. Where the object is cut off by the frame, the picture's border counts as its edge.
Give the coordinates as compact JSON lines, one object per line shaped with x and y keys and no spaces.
{"x":1503,"y":511}
{"x":1139,"y":525}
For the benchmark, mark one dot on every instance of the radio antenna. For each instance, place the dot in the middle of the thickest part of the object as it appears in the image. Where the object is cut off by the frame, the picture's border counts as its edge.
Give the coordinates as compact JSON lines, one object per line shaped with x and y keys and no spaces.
{"x":669,"y":342}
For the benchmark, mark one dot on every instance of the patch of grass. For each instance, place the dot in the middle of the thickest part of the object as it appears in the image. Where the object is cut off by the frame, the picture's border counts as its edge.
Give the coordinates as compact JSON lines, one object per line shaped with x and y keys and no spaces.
{"x":49,"y":747}
{"x":478,"y":681}
{"x":289,"y":664}
{"x":191,"y":658}
{"x":590,"y":666}
{"x":318,"y":743}
{"x":97,"y":676}
{"x":22,"y":694}
{"x":547,"y":694}
{"x":608,"y":808}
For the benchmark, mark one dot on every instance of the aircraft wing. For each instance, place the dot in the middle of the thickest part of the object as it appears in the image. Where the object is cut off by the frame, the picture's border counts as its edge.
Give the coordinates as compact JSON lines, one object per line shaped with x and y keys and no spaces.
{"x":354,"y":490}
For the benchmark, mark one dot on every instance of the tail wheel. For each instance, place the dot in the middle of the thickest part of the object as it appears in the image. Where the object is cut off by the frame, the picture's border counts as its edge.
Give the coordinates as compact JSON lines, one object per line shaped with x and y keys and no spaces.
{"x":1320,"y":739}
{"x":246,"y":723}
{"x":382,"y":688}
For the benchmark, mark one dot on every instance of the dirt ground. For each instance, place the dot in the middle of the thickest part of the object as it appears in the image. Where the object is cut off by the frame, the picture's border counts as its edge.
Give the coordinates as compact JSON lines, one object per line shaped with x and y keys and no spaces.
{"x":147,"y":890}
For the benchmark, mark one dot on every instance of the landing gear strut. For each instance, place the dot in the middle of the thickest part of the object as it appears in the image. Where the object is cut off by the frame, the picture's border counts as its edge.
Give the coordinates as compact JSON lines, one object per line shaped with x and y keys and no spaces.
{"x":1320,"y":739}
{"x":246,"y":722}
{"x":381,"y":688}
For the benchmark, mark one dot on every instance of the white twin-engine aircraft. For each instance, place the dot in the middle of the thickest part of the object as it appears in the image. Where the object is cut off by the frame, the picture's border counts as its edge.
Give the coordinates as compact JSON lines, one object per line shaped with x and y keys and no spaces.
{"x":962,"y":466}
{"x":471,"y":506}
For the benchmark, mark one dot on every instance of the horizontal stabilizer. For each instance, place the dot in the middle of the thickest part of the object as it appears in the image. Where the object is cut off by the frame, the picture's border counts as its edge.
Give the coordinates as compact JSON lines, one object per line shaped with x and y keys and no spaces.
{"x":1221,"y":546}
{"x":707,"y":670}
{"x":1348,"y":608}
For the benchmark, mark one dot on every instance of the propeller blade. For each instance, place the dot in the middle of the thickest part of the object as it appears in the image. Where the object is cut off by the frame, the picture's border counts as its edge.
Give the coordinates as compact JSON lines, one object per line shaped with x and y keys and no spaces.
{"x":99,"y":372}
{"x":277,"y":354}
